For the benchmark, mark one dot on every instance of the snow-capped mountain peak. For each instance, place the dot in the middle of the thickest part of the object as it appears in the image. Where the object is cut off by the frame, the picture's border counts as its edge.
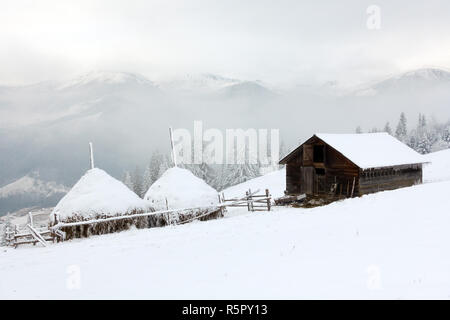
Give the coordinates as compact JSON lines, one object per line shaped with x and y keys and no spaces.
{"x":105,"y":77}
{"x":32,"y":184}
{"x":199,"y":82}
{"x":423,"y":78}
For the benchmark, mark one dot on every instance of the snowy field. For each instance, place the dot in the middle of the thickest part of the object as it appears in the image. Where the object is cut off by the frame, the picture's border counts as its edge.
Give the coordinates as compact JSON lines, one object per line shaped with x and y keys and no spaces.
{"x":438,"y":168}
{"x":387,"y":245}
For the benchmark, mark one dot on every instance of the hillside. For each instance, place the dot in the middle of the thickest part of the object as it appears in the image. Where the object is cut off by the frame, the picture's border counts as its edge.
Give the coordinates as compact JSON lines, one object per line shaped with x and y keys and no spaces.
{"x":274,"y":181}
{"x":28,"y":191}
{"x":385,"y":245}
{"x":439,"y":167}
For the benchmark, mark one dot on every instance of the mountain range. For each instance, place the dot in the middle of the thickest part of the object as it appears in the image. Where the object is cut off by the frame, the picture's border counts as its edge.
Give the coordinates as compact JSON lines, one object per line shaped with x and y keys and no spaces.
{"x":46,"y":127}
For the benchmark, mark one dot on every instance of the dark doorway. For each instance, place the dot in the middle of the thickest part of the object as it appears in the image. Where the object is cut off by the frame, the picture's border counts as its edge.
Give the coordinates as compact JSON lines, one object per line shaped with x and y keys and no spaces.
{"x":319,"y":154}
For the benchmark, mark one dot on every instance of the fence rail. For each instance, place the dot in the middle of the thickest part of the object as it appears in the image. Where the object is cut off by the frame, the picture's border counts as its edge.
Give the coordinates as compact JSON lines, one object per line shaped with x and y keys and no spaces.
{"x":252,"y":200}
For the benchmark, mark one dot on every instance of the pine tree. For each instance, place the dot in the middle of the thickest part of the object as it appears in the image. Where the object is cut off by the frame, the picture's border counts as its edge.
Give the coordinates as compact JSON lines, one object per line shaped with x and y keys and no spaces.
{"x":234,"y":174}
{"x":446,"y":134}
{"x":387,"y":128}
{"x":423,"y":145}
{"x":147,"y":178}
{"x":127,"y":180}
{"x":358,"y":130}
{"x":156,"y":161}
{"x":165,"y":164}
{"x":137,"y":182}
{"x":401,"y":132}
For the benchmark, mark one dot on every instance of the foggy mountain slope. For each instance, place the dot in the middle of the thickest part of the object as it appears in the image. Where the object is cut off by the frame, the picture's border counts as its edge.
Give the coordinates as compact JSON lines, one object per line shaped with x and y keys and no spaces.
{"x":205,"y":83}
{"x":409,"y":82}
{"x":50,"y":101}
{"x":47,"y":126}
{"x":30,"y":190}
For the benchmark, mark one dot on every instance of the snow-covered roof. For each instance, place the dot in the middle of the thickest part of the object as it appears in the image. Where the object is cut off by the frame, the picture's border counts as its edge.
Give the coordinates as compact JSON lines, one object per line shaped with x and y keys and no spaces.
{"x":98,"y":193}
{"x":371,"y":150}
{"x":182,"y":189}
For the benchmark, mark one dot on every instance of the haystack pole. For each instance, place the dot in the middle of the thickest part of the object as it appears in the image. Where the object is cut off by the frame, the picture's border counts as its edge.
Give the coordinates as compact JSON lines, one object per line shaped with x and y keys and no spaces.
{"x":172,"y":146}
{"x":91,"y":155}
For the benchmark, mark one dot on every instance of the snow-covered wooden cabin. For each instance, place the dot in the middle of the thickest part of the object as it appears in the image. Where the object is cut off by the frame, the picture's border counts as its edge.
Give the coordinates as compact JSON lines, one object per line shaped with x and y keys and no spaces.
{"x":346,"y":165}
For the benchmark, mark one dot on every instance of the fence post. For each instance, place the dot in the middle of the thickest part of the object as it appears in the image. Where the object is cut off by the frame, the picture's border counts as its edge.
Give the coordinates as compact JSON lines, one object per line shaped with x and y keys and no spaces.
{"x":220,"y":204}
{"x":268,"y":199}
{"x":251,"y":199}
{"x":31,"y":218}
{"x":248,"y":202}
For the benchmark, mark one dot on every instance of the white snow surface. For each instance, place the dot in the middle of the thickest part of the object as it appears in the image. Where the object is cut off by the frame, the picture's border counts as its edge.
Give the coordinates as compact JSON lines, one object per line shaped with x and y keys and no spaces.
{"x":389,"y":245}
{"x":98,"y":193}
{"x":274,"y":181}
{"x":182,"y":189}
{"x":438,"y":168}
{"x":372,"y":150}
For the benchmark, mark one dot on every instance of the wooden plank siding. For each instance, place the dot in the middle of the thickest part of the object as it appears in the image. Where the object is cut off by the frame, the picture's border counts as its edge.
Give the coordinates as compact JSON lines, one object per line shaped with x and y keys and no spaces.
{"x":375,"y":180}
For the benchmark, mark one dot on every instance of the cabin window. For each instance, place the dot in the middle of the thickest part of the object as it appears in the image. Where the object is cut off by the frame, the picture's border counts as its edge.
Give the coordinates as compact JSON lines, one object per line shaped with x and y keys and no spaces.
{"x":320,"y":171}
{"x":319,"y":154}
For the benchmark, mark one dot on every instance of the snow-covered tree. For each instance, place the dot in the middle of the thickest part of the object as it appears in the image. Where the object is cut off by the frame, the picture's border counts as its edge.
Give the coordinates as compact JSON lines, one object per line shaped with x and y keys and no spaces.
{"x":446,"y":134}
{"x":358,"y":129}
{"x":136,"y":178}
{"x":423,"y":144}
{"x":147,"y":179}
{"x":127,"y":180}
{"x":402,"y":131}
{"x":387,"y":128}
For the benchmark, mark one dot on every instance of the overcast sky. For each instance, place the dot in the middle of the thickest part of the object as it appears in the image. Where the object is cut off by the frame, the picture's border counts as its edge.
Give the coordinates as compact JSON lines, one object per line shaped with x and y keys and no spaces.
{"x":275,"y":41}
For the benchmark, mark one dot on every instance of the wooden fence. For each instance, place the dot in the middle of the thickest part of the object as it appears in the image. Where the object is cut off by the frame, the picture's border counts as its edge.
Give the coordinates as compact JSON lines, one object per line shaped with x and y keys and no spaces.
{"x":252,"y":200}
{"x":15,"y":237}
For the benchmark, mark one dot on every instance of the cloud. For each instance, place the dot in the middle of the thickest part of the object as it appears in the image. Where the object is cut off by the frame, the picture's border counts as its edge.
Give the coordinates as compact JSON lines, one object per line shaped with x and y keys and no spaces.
{"x":274,"y":41}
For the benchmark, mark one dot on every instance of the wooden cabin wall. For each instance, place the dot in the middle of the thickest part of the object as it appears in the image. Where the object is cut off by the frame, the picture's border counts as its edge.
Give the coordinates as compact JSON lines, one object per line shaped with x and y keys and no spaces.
{"x":375,"y":180}
{"x":293,"y":175}
{"x":341,"y":171}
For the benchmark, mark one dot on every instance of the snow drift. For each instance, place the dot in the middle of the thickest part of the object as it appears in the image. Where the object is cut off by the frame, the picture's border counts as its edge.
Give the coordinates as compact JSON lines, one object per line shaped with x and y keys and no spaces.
{"x":438,"y":168}
{"x":274,"y":181}
{"x":388,"y":245}
{"x":182,"y":189}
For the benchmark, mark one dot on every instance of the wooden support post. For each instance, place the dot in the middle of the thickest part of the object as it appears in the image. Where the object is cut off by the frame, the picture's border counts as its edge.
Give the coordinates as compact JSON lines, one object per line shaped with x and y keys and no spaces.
{"x":172,"y":147}
{"x":268,"y":199}
{"x":220,"y":203}
{"x":91,"y":155}
{"x":30,"y":215}
{"x":248,"y":200}
{"x":353,"y":187}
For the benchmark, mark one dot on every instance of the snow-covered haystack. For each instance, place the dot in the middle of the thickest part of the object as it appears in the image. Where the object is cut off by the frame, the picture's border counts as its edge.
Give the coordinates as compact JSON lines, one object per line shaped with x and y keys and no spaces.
{"x":182,"y":189}
{"x":97,"y":195}
{"x":179,"y":188}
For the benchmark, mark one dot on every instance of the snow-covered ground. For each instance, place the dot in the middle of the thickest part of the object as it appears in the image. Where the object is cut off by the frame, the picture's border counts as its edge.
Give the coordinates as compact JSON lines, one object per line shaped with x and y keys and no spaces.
{"x":438,"y":168}
{"x":393,"y":245}
{"x":387,"y":245}
{"x":274,"y":181}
